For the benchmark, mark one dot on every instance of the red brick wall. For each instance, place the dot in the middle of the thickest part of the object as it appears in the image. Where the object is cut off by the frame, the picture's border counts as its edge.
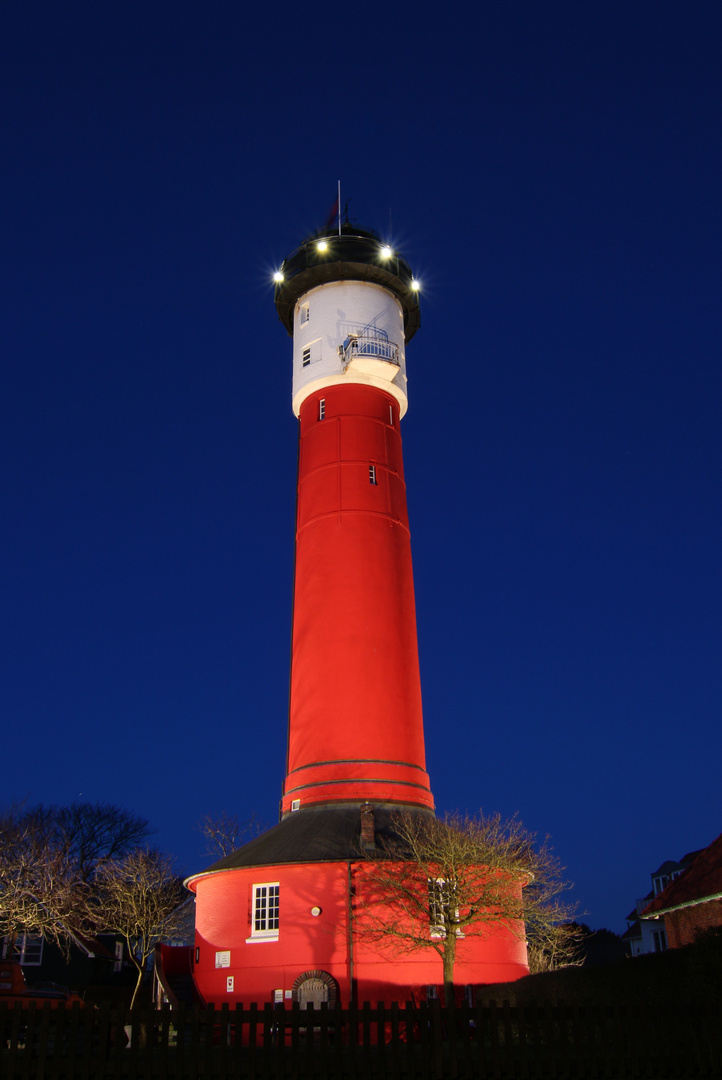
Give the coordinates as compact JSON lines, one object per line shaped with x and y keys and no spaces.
{"x":682,"y":926}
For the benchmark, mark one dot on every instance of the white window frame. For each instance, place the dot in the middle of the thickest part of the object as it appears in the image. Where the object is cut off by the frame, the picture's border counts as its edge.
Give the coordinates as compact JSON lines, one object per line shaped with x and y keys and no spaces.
{"x":27,"y":949}
{"x":660,"y":940}
{"x":264,"y":912}
{"x":305,"y":313}
{"x":306,"y":356}
{"x":437,"y":924}
{"x":322,"y":408}
{"x":373,"y":479}
{"x":436,"y":913}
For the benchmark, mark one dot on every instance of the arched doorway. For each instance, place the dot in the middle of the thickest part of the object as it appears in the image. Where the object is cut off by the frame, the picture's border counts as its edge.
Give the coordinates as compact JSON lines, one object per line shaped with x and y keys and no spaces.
{"x":315,"y":988}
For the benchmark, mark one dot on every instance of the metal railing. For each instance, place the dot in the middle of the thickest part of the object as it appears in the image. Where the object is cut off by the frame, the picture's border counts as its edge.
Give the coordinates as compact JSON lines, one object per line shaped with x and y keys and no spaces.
{"x":372,"y":348}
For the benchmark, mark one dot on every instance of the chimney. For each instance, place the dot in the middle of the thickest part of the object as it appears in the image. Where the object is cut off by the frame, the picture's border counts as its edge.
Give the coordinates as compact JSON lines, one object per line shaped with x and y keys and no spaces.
{"x":367,"y":827}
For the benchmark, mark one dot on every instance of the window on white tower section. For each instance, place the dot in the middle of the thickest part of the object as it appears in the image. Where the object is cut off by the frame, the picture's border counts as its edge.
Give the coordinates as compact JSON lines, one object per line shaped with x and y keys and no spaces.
{"x":305,"y":313}
{"x":306,"y":356}
{"x":265,"y":916}
{"x":372,"y":474}
{"x":322,"y":409}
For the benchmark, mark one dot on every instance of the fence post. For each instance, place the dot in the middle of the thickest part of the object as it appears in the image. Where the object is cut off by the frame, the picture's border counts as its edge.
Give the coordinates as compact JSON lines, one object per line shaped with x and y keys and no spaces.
{"x":353,"y":1039}
{"x":322,"y":1022}
{"x":236,"y":1036}
{"x":252,"y":1039}
{"x":394,"y":1047}
{"x":450,"y":1036}
{"x":338,"y":1032}
{"x":494,"y":1033}
{"x":437,"y":1039}
{"x":366,"y":1037}
{"x":267,"y":1038}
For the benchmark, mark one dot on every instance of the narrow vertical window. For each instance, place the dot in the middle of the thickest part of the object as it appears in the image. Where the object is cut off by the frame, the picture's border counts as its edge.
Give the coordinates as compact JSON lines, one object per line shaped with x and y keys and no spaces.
{"x":305,"y":313}
{"x":372,"y":474}
{"x":391,"y":415}
{"x":322,"y":409}
{"x":306,"y":356}
{"x":436,"y":908}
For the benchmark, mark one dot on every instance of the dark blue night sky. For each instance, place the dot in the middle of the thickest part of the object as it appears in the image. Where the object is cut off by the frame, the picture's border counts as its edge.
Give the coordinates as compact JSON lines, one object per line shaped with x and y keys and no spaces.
{"x":552,"y":172}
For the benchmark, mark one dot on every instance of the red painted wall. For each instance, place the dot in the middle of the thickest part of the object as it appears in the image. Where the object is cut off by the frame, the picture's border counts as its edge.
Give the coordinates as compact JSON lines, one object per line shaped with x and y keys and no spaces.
{"x":356,"y":725}
{"x":307,"y":942}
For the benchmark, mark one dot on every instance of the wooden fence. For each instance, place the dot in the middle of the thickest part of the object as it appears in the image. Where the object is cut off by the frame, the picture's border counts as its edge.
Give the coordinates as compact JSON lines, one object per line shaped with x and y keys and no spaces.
{"x":427,"y":1042}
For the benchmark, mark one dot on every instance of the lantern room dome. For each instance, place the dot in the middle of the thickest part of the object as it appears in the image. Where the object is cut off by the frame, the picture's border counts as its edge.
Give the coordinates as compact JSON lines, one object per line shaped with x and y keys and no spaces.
{"x":354,"y":254}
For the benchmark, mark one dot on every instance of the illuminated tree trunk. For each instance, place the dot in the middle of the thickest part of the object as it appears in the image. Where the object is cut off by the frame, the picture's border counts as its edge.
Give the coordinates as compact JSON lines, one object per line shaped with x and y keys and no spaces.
{"x":449,"y":958}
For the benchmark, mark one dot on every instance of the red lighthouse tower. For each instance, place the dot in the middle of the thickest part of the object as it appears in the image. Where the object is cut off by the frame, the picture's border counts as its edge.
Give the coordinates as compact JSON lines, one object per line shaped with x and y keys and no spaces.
{"x":355,"y":726}
{"x":276,"y":920}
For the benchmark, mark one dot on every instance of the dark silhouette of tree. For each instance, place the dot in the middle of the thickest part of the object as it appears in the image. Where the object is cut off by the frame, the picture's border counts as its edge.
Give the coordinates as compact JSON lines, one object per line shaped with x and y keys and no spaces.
{"x":226,"y":833}
{"x":49,"y":860}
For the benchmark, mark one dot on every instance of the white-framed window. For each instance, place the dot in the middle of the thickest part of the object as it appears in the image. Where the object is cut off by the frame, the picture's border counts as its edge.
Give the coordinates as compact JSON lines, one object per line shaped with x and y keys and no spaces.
{"x":660,"y":883}
{"x":306,"y":356}
{"x":27,"y":949}
{"x":372,"y":475}
{"x":660,"y":941}
{"x":322,"y":409}
{"x":441,"y":897}
{"x":265,"y":912}
{"x":436,"y":908}
{"x":305,"y":313}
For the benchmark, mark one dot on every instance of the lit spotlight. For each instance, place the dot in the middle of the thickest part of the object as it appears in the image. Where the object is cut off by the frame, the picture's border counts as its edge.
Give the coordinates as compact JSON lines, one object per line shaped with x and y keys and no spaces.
{"x":386,"y":252}
{"x":322,"y":246}
{"x":278,"y":276}
{"x":415,"y":285}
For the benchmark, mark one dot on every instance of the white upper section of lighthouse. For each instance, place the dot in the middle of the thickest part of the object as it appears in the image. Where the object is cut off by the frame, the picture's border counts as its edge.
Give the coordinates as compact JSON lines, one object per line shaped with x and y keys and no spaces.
{"x":348,"y":331}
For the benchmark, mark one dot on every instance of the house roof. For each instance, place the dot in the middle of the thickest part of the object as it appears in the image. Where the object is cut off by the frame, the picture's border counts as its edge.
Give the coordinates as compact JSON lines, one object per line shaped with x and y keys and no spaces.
{"x":314,"y":834}
{"x":701,"y":881}
{"x":669,"y":865}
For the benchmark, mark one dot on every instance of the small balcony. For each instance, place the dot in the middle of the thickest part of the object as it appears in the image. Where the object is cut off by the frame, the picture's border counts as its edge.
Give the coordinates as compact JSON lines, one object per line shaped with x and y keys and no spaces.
{"x":370,"y":355}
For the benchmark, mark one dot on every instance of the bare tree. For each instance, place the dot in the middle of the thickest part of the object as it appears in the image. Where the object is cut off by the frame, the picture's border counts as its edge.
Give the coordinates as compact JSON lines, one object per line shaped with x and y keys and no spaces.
{"x":40,"y":893}
{"x":553,"y":946}
{"x":93,"y":833}
{"x":435,"y":881}
{"x":226,"y":833}
{"x":140,"y":897}
{"x":49,"y":857}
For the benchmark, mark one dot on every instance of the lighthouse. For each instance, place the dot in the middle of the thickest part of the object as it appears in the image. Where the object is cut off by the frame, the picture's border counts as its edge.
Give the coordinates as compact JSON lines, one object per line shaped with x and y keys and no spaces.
{"x":355,"y":724}
{"x":278,"y":920}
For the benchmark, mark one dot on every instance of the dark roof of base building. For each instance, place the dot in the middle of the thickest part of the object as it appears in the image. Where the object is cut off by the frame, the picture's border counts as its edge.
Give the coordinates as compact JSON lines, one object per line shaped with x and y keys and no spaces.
{"x":702,"y":880}
{"x":313,"y":834}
